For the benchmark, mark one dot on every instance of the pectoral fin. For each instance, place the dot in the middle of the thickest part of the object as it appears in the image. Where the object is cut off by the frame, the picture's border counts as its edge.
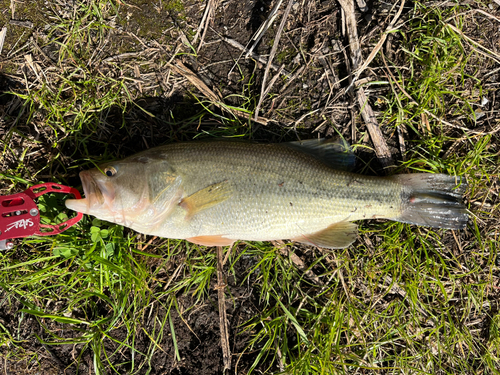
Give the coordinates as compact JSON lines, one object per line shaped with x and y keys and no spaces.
{"x":211,"y":240}
{"x":206,"y":198}
{"x":336,"y":236}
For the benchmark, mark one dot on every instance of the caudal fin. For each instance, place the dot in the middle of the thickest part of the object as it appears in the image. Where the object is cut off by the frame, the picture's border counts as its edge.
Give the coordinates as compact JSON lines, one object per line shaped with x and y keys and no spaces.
{"x":433,"y":200}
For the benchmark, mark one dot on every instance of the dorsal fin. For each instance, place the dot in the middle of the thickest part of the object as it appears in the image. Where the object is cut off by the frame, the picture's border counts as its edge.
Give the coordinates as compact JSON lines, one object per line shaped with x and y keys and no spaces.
{"x":335,"y":153}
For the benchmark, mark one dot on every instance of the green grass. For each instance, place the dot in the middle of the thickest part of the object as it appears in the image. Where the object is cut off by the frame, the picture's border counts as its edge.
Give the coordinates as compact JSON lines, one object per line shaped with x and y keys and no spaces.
{"x":404,"y":299}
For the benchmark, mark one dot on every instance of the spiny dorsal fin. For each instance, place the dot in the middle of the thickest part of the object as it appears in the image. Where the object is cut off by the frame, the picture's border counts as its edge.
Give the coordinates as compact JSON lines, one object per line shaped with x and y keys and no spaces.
{"x":336,"y":236}
{"x":335,"y":153}
{"x":206,"y":198}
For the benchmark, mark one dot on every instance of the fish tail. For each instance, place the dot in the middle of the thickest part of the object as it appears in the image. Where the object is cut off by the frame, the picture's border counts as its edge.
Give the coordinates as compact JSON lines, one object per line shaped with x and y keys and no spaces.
{"x":433,"y":200}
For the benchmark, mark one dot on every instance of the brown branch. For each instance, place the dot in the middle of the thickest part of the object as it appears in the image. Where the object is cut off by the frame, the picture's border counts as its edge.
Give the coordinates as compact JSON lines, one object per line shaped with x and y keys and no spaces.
{"x":254,"y":55}
{"x":381,"y":149}
{"x":2,"y":37}
{"x":224,"y":334}
{"x":208,"y":16}
{"x":215,"y":99}
{"x":265,"y":88}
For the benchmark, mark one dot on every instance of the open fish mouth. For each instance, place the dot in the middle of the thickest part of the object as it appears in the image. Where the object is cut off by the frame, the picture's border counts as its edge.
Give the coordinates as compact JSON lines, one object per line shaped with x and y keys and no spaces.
{"x":93,"y":195}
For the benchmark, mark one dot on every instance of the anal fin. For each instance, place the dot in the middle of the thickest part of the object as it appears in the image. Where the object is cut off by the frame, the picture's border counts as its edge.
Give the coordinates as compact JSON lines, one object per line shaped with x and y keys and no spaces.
{"x":336,"y":236}
{"x":216,"y":240}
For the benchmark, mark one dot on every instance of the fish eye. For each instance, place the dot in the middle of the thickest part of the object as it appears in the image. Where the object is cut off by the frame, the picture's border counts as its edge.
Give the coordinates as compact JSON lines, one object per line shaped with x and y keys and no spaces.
{"x":109,"y":171}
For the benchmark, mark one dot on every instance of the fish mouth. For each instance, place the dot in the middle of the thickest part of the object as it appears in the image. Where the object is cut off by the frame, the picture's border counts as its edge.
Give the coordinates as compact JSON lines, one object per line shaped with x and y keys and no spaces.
{"x":94,"y":197}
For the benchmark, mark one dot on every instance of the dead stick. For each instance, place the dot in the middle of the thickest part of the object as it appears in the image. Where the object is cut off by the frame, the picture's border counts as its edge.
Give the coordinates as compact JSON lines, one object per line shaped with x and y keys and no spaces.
{"x":352,"y":32}
{"x":203,"y":23}
{"x":381,"y":149}
{"x":253,"y":55}
{"x":215,"y":99}
{"x":2,"y":37}
{"x":273,"y":80}
{"x":478,"y":47}
{"x":263,"y":28}
{"x":224,"y":335}
{"x":379,"y":45}
{"x":210,"y":12}
{"x":271,"y":57}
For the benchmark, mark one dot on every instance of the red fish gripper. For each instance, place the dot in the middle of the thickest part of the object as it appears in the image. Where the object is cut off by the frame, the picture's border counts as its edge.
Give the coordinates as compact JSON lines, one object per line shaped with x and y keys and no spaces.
{"x":20,"y":216}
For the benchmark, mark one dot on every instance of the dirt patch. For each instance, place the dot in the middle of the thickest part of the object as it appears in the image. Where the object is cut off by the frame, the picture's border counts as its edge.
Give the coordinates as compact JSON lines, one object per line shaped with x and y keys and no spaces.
{"x":192,"y":347}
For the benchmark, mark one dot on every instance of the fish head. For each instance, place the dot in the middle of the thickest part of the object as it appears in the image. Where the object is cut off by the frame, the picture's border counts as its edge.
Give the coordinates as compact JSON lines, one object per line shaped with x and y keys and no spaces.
{"x":125,"y":192}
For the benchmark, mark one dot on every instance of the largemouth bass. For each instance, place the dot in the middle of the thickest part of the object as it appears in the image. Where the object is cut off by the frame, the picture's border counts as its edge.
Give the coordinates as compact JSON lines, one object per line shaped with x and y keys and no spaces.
{"x":217,"y":192}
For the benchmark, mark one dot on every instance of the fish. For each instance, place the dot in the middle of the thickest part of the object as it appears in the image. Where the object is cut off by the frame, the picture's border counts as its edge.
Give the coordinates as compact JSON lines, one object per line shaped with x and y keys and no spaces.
{"x":217,"y":192}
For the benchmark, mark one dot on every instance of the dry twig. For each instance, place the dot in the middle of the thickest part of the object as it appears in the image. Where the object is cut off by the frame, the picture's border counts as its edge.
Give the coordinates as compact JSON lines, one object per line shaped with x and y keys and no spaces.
{"x":263,"y":28}
{"x":224,"y":334}
{"x":362,"y":5}
{"x":254,"y":55}
{"x":27,"y":24}
{"x":272,"y":82}
{"x":332,"y":78}
{"x":379,"y":45}
{"x":183,"y":70}
{"x":381,"y":149}
{"x":265,"y":88}
{"x":208,"y":16}
{"x":478,"y":47}
{"x":2,"y":37}
{"x":258,"y":35}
